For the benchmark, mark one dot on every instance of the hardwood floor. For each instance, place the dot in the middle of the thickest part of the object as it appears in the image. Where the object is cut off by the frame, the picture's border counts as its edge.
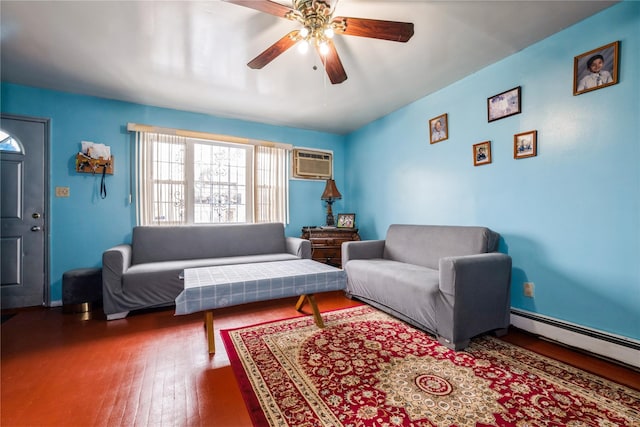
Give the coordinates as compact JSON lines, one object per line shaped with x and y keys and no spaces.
{"x":153,"y":368}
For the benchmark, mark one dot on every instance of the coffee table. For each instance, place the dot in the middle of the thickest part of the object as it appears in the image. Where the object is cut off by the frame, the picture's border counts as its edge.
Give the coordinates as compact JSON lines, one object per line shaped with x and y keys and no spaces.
{"x":208,"y":288}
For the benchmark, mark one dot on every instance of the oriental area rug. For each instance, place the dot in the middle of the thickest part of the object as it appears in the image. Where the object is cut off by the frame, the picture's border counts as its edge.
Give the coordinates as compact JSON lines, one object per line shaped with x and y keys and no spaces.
{"x":368,"y":369}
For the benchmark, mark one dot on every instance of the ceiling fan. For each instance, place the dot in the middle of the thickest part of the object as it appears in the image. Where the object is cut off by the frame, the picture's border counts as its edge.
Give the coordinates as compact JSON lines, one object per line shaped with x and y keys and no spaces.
{"x":318,"y":28}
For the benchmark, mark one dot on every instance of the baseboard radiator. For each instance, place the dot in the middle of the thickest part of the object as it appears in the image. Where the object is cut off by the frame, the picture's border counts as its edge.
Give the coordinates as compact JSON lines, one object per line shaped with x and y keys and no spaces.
{"x":622,"y":349}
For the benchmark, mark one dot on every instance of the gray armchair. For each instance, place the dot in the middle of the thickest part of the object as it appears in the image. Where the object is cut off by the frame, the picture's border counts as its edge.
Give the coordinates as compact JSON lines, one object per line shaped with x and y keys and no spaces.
{"x":447,"y":280}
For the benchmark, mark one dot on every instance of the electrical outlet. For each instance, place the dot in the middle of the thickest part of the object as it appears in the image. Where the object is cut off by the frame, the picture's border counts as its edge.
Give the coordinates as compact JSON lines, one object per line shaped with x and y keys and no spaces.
{"x":528,"y":289}
{"x":62,"y":191}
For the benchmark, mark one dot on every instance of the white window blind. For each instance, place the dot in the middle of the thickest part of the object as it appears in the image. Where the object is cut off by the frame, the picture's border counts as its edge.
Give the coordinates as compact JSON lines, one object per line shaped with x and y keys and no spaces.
{"x":272,"y":185}
{"x":161,"y":179}
{"x":182,"y":178}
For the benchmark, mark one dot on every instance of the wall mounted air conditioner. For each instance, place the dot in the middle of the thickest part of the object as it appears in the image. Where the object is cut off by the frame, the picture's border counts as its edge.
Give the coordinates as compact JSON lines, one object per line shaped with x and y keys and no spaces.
{"x":312,"y":164}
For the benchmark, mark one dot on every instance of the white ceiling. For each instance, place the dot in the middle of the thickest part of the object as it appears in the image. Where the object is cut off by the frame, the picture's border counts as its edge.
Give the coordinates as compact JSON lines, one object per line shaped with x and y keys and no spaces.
{"x":192,"y":55}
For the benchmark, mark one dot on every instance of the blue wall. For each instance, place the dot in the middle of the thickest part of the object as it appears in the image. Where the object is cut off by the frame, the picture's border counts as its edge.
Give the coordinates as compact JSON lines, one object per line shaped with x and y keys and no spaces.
{"x":570,"y":217}
{"x":84,"y":225}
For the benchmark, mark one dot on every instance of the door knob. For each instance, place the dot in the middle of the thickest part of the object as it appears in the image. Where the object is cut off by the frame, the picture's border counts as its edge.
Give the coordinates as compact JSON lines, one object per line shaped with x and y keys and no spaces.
{"x":36,"y":228}
{"x":35,"y":215}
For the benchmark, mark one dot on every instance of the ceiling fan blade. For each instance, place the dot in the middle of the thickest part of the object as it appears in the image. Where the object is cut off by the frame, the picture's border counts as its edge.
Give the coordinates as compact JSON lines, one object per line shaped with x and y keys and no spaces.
{"x":375,"y":28}
{"x":332,"y":64}
{"x":273,"y":51}
{"x":266,"y":6}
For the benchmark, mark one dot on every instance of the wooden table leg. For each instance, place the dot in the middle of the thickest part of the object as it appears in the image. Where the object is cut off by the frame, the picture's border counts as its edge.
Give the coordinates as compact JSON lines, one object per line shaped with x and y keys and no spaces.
{"x":314,"y":307}
{"x":208,"y":322}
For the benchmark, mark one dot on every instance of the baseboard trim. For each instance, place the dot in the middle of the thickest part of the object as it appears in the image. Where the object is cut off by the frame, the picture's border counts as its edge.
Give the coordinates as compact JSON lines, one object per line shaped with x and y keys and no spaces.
{"x":611,"y":346}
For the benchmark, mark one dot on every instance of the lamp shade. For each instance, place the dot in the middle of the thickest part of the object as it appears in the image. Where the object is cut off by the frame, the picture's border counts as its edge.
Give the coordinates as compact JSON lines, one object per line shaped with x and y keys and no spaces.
{"x":331,"y":191}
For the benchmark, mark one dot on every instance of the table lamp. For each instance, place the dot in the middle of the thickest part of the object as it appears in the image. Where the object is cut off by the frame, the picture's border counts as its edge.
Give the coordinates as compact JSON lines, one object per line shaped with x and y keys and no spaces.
{"x":330,"y":194}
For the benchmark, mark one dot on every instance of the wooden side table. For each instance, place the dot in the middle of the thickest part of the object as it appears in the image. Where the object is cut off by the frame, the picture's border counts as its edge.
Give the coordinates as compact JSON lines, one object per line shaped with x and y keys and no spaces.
{"x":326,"y":243}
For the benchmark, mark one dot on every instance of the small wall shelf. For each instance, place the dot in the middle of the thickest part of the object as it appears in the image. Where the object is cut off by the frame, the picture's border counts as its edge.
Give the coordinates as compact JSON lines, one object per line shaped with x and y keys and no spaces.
{"x":86,"y":164}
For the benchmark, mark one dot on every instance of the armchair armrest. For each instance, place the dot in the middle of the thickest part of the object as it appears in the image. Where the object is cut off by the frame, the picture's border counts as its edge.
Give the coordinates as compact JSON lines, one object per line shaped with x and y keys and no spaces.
{"x":299,"y":247}
{"x":475,"y":292}
{"x":461,"y":274}
{"x":362,"y":249}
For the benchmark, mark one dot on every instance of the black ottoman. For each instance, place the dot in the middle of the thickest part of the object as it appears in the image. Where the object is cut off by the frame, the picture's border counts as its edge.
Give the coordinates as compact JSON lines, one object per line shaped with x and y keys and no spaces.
{"x":81,"y":290}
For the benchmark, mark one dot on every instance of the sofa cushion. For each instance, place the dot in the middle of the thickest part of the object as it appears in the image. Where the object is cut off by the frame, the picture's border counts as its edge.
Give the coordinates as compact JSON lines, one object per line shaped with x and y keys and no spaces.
{"x":179,"y":265}
{"x":425,"y":244}
{"x":406,"y":288}
{"x":170,"y":243}
{"x":165,"y":276}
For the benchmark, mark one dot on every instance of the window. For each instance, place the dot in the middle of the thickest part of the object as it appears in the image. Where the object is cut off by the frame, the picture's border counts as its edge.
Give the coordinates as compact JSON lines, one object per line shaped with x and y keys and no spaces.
{"x":9,"y":144}
{"x":221,"y":183}
{"x":183,"y":180}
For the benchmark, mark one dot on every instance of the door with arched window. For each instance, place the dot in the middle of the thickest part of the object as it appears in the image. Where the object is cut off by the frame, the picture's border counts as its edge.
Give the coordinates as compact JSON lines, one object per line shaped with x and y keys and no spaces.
{"x":23,"y":211}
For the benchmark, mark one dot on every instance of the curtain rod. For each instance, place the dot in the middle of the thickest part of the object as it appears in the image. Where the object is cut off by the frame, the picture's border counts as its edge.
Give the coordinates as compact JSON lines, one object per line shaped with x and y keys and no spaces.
{"x":135,"y":127}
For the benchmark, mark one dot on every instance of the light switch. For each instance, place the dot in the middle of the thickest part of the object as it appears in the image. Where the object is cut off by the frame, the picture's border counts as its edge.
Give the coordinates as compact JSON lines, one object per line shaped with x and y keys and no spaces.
{"x":62,"y":191}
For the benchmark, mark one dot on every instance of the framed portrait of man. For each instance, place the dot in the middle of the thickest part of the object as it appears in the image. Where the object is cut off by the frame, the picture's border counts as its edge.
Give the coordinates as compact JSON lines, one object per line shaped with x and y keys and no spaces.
{"x":438,"y":129}
{"x":596,"y":69}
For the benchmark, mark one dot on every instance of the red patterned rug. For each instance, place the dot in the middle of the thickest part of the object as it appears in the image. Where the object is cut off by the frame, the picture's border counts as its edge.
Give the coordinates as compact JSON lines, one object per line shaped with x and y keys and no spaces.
{"x":368,"y":369}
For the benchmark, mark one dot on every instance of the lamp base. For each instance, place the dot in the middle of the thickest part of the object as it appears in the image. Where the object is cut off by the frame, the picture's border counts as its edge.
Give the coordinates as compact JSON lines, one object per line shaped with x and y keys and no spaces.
{"x":330,"y":220}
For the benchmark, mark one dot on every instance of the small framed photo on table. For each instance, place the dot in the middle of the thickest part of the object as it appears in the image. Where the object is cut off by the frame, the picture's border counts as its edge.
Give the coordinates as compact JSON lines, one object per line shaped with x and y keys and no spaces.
{"x":346,"y":220}
{"x":525,"y":144}
{"x":504,"y":104}
{"x":482,"y":153}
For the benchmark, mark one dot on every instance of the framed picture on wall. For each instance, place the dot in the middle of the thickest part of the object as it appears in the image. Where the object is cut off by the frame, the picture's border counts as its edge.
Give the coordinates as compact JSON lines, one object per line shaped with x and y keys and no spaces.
{"x":596,"y":69}
{"x":346,"y":220}
{"x":482,"y":153}
{"x":504,"y":104}
{"x":525,"y":144}
{"x":438,"y":129}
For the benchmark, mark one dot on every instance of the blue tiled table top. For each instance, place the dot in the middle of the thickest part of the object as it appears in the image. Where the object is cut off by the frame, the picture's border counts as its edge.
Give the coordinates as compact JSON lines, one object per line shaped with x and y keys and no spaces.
{"x":206,"y":288}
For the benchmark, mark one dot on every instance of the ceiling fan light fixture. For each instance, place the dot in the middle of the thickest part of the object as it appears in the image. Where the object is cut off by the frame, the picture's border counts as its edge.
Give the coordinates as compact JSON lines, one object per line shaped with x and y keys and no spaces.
{"x":303,"y":46}
{"x":329,"y":33}
{"x":324,"y":47}
{"x":318,"y":26}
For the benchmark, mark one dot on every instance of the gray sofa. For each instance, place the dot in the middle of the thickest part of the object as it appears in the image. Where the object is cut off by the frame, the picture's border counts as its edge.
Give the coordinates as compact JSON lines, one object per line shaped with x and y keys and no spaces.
{"x":448,"y":280}
{"x":146,"y":272}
